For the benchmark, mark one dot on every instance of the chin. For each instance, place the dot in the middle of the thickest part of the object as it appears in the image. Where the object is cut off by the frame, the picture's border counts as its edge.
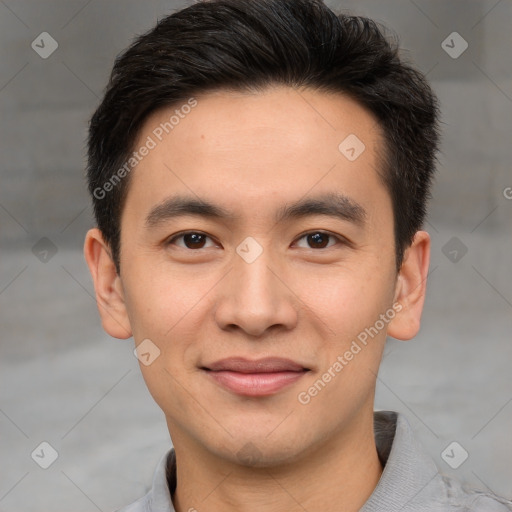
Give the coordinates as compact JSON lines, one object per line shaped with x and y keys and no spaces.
{"x":260,"y":452}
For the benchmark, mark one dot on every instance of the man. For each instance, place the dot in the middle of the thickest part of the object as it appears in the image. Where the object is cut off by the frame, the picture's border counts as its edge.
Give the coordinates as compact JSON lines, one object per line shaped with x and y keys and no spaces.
{"x":259,"y":173}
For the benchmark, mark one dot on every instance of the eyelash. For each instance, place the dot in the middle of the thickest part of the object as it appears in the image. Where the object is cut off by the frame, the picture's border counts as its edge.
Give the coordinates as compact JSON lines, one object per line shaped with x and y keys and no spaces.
{"x":339,"y":239}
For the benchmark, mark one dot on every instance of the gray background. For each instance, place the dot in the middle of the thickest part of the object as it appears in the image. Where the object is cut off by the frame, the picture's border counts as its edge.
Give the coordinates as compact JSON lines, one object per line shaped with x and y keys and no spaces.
{"x":64,"y":381}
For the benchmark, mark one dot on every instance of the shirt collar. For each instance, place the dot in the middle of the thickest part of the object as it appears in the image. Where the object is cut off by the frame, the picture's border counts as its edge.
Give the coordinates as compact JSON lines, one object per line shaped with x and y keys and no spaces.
{"x":408,"y":470}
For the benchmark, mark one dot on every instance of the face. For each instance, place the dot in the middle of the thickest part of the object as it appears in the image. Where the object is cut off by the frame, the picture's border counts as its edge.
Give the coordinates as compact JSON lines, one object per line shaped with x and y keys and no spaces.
{"x":259,"y":228}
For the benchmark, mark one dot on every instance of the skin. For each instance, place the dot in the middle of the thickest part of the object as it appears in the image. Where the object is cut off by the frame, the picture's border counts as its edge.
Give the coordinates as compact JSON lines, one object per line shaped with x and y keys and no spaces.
{"x":252,"y":153}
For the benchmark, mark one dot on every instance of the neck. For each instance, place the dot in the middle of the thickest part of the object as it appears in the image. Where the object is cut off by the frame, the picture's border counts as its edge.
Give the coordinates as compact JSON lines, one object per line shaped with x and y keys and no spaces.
{"x":338,"y":475}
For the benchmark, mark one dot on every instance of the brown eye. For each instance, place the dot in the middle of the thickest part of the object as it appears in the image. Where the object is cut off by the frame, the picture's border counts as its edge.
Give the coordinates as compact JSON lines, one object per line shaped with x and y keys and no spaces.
{"x":191,"y":240}
{"x":318,"y":240}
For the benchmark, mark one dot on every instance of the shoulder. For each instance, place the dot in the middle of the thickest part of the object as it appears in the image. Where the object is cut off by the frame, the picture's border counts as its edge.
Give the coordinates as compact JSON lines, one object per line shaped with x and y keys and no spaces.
{"x":141,"y":505}
{"x":411,"y":480}
{"x":158,"y":498}
{"x":463,"y":498}
{"x":484,"y":502}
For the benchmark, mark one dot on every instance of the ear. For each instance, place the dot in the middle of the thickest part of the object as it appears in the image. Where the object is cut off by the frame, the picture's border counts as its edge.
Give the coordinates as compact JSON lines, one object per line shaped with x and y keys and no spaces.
{"x":410,"y":288}
{"x":107,"y":285}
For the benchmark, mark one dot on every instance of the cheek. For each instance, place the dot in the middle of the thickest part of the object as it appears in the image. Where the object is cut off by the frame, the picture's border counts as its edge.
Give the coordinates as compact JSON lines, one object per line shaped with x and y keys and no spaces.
{"x":163,"y":308}
{"x":160,"y":301}
{"x":167,"y":307}
{"x":352,"y":343}
{"x":347,"y":300}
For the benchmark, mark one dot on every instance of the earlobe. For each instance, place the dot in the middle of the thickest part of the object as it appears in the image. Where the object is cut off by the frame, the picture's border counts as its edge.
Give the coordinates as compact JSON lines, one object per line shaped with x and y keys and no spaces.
{"x":107,"y":286}
{"x":411,"y":288}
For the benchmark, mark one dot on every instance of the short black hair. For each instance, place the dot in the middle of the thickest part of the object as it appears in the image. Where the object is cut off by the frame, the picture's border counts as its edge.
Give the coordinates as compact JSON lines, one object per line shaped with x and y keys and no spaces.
{"x":249,"y":45}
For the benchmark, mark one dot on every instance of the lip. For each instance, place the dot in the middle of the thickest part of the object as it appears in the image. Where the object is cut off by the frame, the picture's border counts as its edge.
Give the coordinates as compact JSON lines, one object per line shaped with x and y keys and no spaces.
{"x":264,"y":365}
{"x":260,"y":377}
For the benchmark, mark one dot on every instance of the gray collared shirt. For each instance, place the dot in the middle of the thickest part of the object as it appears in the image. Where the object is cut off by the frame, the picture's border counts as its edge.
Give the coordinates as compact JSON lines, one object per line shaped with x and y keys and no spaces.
{"x":410,"y":481}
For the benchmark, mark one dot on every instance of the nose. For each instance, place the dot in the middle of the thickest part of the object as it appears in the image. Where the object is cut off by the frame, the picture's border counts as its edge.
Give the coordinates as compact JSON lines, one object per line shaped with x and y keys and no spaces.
{"x":256,"y":297}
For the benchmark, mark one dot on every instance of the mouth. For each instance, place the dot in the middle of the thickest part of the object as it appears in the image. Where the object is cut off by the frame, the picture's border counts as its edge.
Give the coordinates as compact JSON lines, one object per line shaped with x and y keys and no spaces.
{"x":262,"y":377}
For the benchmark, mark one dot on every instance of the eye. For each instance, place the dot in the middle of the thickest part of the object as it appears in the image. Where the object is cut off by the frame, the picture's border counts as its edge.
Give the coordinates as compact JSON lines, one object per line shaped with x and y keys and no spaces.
{"x":197,"y":240}
{"x":319,"y":240}
{"x":191,"y":240}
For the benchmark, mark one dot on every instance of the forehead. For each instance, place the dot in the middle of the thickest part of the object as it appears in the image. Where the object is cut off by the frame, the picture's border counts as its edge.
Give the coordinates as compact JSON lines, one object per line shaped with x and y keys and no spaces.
{"x":244,"y":147}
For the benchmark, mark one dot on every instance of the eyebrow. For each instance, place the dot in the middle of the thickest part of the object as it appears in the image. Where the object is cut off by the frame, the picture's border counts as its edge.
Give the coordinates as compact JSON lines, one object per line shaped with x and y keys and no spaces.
{"x":330,"y":204}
